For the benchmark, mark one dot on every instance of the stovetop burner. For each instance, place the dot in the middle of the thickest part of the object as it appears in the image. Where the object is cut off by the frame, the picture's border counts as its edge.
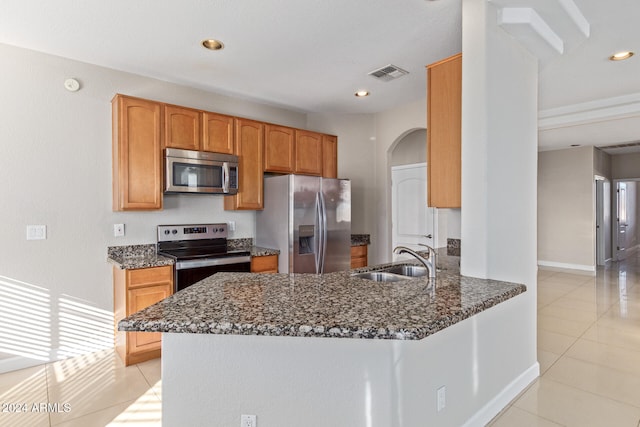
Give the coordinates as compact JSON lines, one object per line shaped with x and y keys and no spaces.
{"x":183,"y":242}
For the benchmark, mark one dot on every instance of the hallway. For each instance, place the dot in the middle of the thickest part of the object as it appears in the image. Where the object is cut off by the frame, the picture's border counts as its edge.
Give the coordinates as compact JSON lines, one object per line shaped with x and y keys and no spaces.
{"x":588,"y":350}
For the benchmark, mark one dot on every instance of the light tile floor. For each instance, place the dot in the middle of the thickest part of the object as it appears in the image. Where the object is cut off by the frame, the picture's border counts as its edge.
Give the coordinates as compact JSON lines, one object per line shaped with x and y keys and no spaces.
{"x":588,"y":349}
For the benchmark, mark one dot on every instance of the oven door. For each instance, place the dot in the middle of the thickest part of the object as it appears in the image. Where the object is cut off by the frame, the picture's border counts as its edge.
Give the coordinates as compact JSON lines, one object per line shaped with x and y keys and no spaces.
{"x":190,"y":272}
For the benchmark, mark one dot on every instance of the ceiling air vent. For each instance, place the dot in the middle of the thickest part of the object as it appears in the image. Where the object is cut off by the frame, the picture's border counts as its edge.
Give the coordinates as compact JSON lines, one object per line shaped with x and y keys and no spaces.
{"x":388,"y":72}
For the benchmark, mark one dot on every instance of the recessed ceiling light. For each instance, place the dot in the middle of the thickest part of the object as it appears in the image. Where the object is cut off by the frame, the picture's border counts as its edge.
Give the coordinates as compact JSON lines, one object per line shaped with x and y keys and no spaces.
{"x":620,"y":56}
{"x":361,"y":93}
{"x":575,"y":145}
{"x":212,"y":44}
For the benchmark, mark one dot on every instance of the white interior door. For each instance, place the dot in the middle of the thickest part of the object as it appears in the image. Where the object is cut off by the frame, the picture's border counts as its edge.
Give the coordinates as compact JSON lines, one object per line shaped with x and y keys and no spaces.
{"x":412,"y":221}
{"x":621,"y":240}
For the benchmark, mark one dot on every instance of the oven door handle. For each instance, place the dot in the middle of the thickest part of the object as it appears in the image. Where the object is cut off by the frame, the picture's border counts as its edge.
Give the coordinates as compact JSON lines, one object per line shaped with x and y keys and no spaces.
{"x":182,"y":265}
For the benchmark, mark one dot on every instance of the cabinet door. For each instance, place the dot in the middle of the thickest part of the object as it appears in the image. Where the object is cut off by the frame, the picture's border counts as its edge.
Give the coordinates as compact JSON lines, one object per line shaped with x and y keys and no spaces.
{"x":329,"y":156}
{"x":137,"y":299}
{"x":359,"y":256}
{"x":181,"y":127}
{"x":137,"y":154}
{"x":249,"y":146}
{"x":278,"y":149}
{"x":308,"y":153}
{"x":444,"y":105}
{"x":217,"y":133}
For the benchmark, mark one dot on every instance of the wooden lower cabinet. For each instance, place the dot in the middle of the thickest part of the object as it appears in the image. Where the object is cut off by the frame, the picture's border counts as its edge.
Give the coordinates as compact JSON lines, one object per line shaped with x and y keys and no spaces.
{"x":134,"y":290}
{"x":264,"y":264}
{"x":359,"y":256}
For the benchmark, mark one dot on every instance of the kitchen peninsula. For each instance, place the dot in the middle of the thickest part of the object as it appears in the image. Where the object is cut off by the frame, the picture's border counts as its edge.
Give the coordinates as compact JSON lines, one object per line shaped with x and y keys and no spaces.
{"x":403,"y":341}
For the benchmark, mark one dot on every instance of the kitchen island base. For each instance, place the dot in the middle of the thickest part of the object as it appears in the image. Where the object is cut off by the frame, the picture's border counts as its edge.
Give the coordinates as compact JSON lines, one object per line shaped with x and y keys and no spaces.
{"x":212,"y":379}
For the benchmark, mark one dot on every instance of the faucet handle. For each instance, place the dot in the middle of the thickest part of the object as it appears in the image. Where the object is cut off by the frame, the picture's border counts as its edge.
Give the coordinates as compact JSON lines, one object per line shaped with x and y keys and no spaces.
{"x":429,"y":248}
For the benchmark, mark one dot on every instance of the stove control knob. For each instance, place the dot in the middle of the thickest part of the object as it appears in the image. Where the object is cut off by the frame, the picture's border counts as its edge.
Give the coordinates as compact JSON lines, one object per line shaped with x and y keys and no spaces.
{"x":215,"y":230}
{"x":166,"y":231}
{"x":174,"y":231}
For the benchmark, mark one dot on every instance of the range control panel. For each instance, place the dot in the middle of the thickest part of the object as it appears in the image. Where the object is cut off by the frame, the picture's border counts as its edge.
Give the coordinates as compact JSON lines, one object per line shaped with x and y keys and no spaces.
{"x":170,"y":233}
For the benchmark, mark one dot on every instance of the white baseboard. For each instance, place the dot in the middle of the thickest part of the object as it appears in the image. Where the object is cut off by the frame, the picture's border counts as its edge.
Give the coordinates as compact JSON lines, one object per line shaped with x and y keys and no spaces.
{"x":16,"y":363}
{"x":570,"y":268}
{"x":498,"y":403}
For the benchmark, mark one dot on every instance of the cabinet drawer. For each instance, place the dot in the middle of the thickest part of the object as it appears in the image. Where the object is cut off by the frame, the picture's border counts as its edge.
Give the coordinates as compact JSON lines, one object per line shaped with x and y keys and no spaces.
{"x":150,"y":276}
{"x":264,"y":264}
{"x":358,"y":251}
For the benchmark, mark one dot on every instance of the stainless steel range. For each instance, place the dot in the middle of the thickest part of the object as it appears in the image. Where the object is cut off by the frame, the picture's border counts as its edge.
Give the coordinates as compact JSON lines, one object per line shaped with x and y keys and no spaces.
{"x":199,"y":250}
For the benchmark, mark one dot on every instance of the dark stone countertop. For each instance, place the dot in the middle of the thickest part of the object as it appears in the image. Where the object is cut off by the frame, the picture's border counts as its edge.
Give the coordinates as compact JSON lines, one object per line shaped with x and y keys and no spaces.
{"x":144,"y":256}
{"x":331,"y":305}
{"x":360,"y":239}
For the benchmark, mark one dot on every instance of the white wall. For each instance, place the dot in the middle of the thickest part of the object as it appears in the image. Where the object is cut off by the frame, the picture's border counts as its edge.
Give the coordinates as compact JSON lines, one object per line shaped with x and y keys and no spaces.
{"x":566,"y":203}
{"x":56,"y":170}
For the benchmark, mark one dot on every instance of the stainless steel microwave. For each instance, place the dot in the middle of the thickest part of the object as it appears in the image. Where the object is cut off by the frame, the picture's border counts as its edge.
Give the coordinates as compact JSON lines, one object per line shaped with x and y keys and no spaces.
{"x":189,"y":171}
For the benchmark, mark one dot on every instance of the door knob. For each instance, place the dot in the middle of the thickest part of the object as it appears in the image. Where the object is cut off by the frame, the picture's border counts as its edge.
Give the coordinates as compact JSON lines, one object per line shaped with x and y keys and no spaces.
{"x":428,"y":236}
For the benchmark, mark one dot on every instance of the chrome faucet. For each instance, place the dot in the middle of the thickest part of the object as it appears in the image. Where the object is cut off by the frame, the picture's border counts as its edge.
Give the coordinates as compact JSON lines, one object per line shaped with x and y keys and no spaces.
{"x":429,"y":263}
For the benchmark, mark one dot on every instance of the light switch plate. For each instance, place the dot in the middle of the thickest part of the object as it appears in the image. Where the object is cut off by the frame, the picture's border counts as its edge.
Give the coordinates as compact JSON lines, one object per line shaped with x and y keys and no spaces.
{"x":232,"y":226}
{"x":36,"y":232}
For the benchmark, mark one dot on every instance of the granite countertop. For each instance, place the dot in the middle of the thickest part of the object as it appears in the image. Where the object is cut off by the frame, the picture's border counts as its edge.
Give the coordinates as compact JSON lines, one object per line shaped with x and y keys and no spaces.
{"x":136,"y":256}
{"x":144,"y":256}
{"x":360,"y":239}
{"x":331,"y":305}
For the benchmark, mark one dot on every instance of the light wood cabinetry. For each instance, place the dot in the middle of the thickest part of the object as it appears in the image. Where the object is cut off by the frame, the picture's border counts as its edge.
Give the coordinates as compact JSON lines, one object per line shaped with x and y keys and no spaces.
{"x":264,"y":264}
{"x":308,"y":153}
{"x":359,"y":256}
{"x":329,"y":156}
{"x":444,"y":106}
{"x":181,"y":127}
{"x":134,"y":290}
{"x":142,"y":128}
{"x":217,"y":133}
{"x":137,"y":154}
{"x":279,"y":149}
{"x":249,"y":147}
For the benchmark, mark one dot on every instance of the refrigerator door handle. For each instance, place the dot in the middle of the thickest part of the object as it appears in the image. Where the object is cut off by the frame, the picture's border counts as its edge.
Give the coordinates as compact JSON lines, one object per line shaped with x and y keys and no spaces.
{"x":323,"y":232}
{"x":318,"y":234}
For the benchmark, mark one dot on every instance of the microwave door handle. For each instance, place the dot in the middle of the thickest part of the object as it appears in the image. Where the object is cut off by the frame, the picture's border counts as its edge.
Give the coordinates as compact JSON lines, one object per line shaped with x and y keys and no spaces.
{"x":225,"y":177}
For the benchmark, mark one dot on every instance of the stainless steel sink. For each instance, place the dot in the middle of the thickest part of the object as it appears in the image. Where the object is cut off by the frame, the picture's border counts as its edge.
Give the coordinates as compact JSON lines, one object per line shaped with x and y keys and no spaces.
{"x":380,"y":276}
{"x":408,"y":270}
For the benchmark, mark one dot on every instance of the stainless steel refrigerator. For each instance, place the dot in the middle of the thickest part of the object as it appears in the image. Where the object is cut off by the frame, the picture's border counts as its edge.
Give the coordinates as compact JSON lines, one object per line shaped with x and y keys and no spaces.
{"x":309,"y":219}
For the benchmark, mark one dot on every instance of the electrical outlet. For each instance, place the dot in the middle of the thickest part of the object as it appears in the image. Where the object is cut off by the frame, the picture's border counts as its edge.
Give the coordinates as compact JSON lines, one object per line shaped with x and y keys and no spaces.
{"x":118,"y":230}
{"x":36,"y":232}
{"x":248,"y":421}
{"x":442,"y":398}
{"x":232,"y":226}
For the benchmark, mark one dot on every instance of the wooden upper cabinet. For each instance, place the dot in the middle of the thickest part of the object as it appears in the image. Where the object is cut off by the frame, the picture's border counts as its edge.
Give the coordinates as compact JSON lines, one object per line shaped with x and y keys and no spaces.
{"x":279,"y":149}
{"x":137,"y":154}
{"x":444,"y":106}
{"x":181,"y":127}
{"x":308,"y":153}
{"x":217,"y":133}
{"x":249,"y":147}
{"x":329,"y":156}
